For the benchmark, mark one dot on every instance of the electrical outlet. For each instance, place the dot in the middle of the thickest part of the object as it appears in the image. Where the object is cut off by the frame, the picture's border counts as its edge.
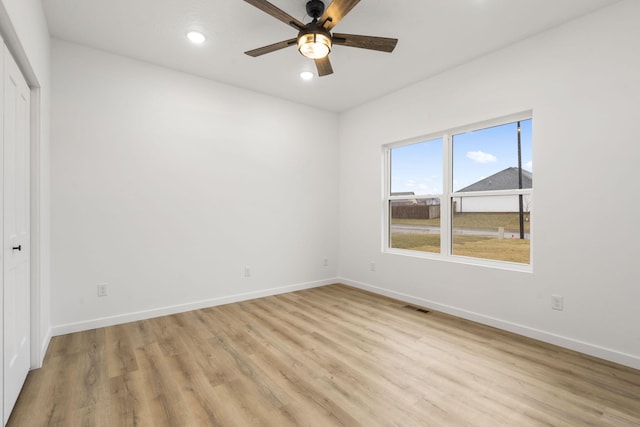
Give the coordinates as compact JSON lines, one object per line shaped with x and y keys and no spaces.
{"x":247,"y":272}
{"x":557,"y":302}
{"x":372,"y":266}
{"x":326,"y":262}
{"x":102,"y":289}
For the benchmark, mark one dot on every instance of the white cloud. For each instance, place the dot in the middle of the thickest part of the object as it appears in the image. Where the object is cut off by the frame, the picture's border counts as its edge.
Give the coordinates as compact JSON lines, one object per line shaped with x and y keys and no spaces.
{"x":481,"y":157}
{"x":528,"y":166}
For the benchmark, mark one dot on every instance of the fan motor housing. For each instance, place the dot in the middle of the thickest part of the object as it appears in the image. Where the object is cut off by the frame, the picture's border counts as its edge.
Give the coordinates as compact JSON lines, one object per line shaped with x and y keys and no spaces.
{"x":314,"y":27}
{"x":315,"y":8}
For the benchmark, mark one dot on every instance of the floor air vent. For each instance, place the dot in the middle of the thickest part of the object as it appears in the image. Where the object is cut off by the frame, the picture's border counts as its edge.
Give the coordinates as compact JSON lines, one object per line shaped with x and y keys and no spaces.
{"x":421,"y":310}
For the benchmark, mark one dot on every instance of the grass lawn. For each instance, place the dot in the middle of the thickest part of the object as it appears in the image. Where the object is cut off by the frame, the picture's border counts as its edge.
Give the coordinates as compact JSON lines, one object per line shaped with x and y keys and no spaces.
{"x":513,"y":250}
{"x":416,"y":242}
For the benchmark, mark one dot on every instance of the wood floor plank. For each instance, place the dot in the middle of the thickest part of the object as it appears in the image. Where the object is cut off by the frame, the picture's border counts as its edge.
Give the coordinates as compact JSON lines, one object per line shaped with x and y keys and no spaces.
{"x":128,"y":400}
{"x":163,"y":396}
{"x":195,"y":389}
{"x":328,"y":356}
{"x":120,"y":352}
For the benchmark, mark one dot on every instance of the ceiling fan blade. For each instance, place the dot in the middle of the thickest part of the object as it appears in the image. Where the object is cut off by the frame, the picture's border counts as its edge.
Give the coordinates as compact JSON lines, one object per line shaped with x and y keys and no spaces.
{"x":324,"y":66}
{"x":335,"y":12}
{"x":277,"y":13}
{"x":383,"y":44}
{"x":271,"y":48}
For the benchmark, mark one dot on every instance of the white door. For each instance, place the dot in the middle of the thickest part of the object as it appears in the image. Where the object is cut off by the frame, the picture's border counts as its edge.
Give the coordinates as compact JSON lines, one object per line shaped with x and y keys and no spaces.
{"x":16,"y":287}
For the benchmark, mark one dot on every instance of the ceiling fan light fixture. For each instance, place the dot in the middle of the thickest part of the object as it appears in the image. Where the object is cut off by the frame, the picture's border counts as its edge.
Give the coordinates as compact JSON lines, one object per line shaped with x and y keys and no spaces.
{"x":314,"y":45}
{"x":315,"y":38}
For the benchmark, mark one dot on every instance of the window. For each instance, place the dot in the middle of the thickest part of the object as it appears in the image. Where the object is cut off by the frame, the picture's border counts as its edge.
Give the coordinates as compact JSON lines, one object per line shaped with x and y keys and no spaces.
{"x":463,"y":193}
{"x":416,"y":189}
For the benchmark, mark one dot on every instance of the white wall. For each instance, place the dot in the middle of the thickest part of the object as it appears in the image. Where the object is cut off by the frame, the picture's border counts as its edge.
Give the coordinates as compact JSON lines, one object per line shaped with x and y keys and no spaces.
{"x":581,"y":81}
{"x":23,"y":26}
{"x":165,"y":186}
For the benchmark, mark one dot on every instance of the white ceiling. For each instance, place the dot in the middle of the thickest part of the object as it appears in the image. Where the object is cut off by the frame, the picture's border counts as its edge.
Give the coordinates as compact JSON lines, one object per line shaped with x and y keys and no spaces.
{"x":434,"y":35}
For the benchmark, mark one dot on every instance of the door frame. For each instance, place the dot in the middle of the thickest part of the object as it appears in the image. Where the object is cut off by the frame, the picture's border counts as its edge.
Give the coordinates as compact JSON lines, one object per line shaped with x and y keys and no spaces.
{"x":39,"y":343}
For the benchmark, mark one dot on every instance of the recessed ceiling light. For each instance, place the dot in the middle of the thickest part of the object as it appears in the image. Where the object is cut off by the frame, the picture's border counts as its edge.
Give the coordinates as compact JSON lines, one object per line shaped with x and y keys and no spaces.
{"x":306,"y":75}
{"x":196,"y":37}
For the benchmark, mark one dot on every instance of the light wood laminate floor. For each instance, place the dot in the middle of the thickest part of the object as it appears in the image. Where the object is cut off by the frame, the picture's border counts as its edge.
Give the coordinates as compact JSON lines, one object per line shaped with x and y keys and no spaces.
{"x":321,"y":357}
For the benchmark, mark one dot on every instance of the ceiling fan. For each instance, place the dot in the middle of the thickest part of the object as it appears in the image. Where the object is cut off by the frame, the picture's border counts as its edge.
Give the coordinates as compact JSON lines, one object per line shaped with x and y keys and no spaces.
{"x":315,"y":39}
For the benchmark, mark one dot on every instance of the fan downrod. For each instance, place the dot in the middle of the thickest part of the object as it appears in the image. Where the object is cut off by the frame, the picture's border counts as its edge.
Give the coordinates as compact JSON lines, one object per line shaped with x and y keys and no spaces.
{"x":315,"y":9}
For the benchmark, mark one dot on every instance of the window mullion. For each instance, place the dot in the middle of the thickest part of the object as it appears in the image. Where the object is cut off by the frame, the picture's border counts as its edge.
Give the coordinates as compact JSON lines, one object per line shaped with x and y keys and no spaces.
{"x":386,"y":217}
{"x":445,"y":201}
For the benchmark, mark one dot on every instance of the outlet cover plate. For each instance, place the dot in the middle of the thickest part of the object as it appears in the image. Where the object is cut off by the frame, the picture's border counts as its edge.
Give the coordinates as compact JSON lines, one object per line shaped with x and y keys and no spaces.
{"x":557,"y":302}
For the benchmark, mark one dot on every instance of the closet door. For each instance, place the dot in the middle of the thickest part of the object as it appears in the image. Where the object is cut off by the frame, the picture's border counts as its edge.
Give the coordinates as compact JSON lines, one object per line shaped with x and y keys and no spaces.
{"x":16,"y":240}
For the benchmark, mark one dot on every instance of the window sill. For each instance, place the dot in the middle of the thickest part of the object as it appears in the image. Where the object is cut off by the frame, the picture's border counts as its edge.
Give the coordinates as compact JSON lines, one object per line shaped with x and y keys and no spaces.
{"x":457,"y":259}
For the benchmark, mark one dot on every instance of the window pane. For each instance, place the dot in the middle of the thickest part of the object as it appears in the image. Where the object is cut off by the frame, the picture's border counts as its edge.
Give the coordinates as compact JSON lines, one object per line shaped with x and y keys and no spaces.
{"x":415,"y":224}
{"x":487,"y":159}
{"x":492,"y":227}
{"x":416,"y":169}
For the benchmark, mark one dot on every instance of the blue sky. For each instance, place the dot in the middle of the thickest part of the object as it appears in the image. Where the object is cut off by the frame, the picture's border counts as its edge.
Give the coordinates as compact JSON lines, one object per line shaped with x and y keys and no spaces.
{"x":476,"y":155}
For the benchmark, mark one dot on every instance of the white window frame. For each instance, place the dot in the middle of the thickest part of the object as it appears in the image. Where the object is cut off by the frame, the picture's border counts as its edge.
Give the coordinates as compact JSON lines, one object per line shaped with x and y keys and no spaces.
{"x":446,"y":238}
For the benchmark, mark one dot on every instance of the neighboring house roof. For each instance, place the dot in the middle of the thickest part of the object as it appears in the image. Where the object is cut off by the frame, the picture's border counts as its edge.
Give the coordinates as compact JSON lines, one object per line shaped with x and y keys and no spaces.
{"x":504,"y":180}
{"x":403,"y":193}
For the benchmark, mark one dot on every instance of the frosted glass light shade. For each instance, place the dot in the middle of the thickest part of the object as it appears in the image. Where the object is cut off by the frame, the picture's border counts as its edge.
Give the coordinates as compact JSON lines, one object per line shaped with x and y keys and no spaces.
{"x":314,"y":45}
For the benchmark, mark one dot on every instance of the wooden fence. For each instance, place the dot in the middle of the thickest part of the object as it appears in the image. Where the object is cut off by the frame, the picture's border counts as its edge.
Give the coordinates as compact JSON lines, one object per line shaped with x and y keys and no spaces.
{"x":415,"y":211}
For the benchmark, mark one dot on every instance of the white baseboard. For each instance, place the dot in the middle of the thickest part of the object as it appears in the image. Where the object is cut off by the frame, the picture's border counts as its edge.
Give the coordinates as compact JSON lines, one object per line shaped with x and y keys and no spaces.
{"x":37,"y":356}
{"x":44,"y":346}
{"x":548,"y":337}
{"x":180,"y":308}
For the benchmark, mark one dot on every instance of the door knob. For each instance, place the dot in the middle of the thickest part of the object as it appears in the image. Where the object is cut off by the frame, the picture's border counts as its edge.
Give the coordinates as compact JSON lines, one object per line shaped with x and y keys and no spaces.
{"x":17,"y":248}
